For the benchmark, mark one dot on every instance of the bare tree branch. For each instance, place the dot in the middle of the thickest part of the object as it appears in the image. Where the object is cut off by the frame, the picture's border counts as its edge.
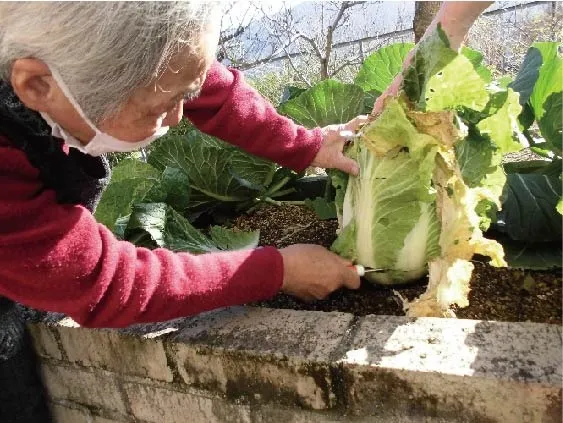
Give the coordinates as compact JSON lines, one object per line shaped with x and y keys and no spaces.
{"x":329,"y":36}
{"x":224,"y":38}
{"x":343,"y":66}
{"x":313,"y":44}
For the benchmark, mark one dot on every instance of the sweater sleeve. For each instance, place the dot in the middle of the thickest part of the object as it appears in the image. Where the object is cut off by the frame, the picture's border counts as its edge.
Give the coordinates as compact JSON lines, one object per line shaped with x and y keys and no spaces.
{"x":57,"y":257}
{"x":230,"y":109}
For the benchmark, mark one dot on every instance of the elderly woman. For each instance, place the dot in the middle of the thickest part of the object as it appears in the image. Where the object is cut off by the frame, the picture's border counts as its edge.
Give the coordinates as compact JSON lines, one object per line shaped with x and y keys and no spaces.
{"x":83,"y":79}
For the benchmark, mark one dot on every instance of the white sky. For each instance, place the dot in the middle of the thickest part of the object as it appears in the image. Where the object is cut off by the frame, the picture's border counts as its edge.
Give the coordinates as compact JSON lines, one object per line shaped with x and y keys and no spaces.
{"x":239,"y":10}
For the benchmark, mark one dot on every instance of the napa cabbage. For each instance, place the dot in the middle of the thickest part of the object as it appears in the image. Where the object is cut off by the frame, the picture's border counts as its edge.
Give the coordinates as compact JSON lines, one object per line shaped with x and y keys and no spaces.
{"x":430,"y":178}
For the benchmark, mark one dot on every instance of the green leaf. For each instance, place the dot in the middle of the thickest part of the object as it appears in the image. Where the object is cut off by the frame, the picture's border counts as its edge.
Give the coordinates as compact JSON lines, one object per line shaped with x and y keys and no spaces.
{"x":290,"y":92}
{"x":120,"y":226}
{"x":527,"y":75}
{"x":391,"y":199}
{"x":503,"y":125}
{"x":345,"y":244}
{"x":456,"y":85}
{"x":526,"y":117}
{"x":214,"y":169}
{"x":551,"y":122}
{"x":369,"y":101}
{"x":176,"y":186}
{"x":550,"y":78}
{"x":504,"y":82}
{"x":309,"y":187}
{"x":541,"y":151}
{"x":380,"y":68}
{"x":476,"y":59}
{"x":146,"y":224}
{"x":324,"y":209}
{"x":430,"y":57}
{"x":131,"y":181}
{"x":328,"y":102}
{"x":529,"y":208}
{"x":159,"y":225}
{"x":531,"y":256}
{"x":229,"y":239}
{"x":339,"y":180}
{"x":477,"y":157}
{"x":440,"y":79}
{"x":497,"y":99}
{"x":540,"y":81}
{"x":542,"y":167}
{"x":479,"y":160}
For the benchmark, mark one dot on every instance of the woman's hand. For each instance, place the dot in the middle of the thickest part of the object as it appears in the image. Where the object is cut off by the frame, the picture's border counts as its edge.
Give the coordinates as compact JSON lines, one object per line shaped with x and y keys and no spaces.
{"x":330,"y":155}
{"x":311,"y":272}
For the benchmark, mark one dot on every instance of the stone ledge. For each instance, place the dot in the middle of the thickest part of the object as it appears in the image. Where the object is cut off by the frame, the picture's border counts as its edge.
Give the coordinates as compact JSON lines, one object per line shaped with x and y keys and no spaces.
{"x":489,"y":371}
{"x":393,"y":369}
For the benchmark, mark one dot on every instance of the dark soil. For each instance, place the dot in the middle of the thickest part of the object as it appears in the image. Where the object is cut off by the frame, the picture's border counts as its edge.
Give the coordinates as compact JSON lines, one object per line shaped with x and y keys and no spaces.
{"x":500,"y":294}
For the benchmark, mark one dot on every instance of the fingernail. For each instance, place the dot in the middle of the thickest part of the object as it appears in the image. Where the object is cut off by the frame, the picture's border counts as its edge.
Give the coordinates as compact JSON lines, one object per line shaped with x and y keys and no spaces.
{"x":355,"y":170}
{"x":346,"y":134}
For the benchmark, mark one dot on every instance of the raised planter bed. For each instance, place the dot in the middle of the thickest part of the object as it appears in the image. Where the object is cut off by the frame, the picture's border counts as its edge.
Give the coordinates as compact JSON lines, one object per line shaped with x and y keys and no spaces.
{"x":248,"y":364}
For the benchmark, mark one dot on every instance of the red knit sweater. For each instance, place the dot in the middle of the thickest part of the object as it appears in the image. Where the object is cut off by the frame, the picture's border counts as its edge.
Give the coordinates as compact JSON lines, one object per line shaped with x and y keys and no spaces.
{"x":56,"y":257}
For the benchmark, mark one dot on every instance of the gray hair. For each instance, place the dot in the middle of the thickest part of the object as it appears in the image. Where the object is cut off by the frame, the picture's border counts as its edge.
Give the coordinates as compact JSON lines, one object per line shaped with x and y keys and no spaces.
{"x":102,"y":50}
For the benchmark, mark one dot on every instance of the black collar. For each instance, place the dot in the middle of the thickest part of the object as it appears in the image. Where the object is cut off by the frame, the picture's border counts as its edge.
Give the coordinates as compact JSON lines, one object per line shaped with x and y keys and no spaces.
{"x":77,"y":178}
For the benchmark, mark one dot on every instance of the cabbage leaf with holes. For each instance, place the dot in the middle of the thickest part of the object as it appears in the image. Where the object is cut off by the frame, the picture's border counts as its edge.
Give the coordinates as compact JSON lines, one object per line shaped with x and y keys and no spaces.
{"x":429,"y":177}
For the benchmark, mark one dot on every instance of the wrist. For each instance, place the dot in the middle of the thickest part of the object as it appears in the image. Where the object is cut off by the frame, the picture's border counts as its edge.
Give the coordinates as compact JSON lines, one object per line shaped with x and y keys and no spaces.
{"x":457,"y":18}
{"x":285,"y":272}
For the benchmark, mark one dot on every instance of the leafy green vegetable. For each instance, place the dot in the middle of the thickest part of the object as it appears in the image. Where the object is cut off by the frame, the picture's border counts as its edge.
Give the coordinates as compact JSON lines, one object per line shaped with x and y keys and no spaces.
{"x":431,"y":56}
{"x":290,"y":92}
{"x":540,"y":85}
{"x":173,"y":189}
{"x":550,"y":78}
{"x":528,"y":210}
{"x":380,"y":68}
{"x":217,"y":172}
{"x":369,"y":101}
{"x":550,"y":123}
{"x":159,"y":225}
{"x":389,"y":203}
{"x":503,"y":125}
{"x":229,"y":239}
{"x":527,"y":75}
{"x":531,"y":255}
{"x":131,"y":181}
{"x":324,"y":209}
{"x":476,"y":59}
{"x":430,"y":176}
{"x":147,"y":204}
{"x":326,"y":103}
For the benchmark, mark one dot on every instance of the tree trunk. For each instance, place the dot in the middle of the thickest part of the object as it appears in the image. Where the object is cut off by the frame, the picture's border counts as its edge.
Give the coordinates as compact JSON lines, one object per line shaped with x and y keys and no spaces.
{"x":424,"y":12}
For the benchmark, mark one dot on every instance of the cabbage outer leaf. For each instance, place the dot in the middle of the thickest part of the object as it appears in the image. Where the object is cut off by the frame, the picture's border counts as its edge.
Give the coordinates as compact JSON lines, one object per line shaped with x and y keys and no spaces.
{"x":460,"y":239}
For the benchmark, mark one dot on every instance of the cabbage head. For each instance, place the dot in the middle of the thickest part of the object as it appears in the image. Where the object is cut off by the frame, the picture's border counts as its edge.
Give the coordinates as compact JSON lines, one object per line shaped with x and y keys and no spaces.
{"x":429,"y":177}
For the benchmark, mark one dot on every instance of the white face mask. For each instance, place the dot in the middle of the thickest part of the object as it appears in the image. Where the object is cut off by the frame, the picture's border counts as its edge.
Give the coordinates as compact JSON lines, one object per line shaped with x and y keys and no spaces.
{"x":101,"y":143}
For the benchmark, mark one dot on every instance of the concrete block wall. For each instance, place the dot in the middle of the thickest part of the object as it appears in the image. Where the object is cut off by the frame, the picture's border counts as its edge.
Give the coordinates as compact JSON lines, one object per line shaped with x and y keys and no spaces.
{"x":263,"y":365}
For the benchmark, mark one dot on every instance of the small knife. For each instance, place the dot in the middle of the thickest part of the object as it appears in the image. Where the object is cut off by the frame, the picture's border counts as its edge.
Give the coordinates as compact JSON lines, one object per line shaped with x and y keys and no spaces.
{"x":361,"y":270}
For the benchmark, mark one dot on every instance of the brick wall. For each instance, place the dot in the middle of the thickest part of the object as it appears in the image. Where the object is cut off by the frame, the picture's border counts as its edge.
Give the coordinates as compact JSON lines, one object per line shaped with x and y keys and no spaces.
{"x":262,"y":365}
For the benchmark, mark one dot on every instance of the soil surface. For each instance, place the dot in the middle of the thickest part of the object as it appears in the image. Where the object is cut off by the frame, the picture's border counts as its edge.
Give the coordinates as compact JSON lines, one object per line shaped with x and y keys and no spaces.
{"x":499,"y":294}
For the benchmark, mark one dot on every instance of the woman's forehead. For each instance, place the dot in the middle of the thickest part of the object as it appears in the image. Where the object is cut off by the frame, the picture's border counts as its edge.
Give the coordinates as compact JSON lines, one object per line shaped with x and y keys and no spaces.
{"x":180,"y":73}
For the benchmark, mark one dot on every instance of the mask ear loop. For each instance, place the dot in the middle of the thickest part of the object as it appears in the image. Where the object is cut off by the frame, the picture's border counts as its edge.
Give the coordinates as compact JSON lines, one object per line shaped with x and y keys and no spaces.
{"x":64,"y":88}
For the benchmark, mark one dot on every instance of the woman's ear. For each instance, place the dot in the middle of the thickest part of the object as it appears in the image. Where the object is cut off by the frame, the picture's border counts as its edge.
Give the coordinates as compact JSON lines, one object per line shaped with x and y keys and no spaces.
{"x":32,"y":82}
